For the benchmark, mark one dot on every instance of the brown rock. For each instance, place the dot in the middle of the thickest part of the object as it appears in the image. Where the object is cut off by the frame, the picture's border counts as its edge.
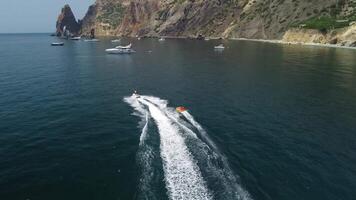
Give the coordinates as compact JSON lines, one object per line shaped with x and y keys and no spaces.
{"x":333,"y":41}
{"x":67,"y":19}
{"x":353,"y":44}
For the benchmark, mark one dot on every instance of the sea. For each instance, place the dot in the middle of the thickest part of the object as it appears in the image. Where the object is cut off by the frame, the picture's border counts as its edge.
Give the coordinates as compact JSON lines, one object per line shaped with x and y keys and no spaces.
{"x":263,"y":121}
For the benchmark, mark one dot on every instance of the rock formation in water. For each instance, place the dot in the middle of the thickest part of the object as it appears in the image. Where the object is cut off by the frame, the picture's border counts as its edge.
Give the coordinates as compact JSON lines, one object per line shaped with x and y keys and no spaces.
{"x":257,"y":19}
{"x":66,"y":22}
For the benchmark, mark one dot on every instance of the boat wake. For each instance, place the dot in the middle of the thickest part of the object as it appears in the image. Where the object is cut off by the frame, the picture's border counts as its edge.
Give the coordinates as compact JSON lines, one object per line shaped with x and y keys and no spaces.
{"x":192,"y":166}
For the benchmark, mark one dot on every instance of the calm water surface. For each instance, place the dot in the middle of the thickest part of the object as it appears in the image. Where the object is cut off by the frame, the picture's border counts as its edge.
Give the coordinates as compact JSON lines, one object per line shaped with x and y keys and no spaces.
{"x":279,"y":121}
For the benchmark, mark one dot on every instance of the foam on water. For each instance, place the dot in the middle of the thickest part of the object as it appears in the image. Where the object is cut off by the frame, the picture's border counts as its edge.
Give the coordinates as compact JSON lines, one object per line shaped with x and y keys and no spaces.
{"x":183,"y":152}
{"x":145,"y":154}
{"x":182,"y":175}
{"x":215,"y":165}
{"x":227,"y":176}
{"x":203,"y":133}
{"x":142,"y":113}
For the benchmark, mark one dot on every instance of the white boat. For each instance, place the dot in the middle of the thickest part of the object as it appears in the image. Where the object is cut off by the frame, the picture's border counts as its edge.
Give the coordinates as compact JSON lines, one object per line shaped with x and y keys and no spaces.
{"x":75,"y":38}
{"x":91,"y":40}
{"x":121,"y":50}
{"x":219,"y":47}
{"x":116,"y":41}
{"x":124,"y":47}
{"x":57,"y":44}
{"x":161,"y":39}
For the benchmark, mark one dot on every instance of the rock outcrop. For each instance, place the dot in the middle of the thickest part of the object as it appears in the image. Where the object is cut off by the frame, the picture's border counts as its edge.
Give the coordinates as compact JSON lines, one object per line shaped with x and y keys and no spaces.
{"x":66,"y":22}
{"x":343,"y":36}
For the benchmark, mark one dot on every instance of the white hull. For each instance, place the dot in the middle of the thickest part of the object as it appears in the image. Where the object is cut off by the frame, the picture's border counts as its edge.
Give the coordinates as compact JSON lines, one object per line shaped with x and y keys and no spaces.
{"x":75,"y":38}
{"x":220,"y":47}
{"x":119,"y":51}
{"x":57,"y":44}
{"x":92,"y":40}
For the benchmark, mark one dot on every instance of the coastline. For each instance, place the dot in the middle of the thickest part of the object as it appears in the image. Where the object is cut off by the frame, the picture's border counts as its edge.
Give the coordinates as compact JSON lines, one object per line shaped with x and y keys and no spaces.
{"x":262,"y":40}
{"x":294,"y":43}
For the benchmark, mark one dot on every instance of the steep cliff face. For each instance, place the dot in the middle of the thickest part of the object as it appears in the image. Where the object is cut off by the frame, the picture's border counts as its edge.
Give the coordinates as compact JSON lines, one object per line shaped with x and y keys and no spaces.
{"x":259,"y":19}
{"x":67,"y":19}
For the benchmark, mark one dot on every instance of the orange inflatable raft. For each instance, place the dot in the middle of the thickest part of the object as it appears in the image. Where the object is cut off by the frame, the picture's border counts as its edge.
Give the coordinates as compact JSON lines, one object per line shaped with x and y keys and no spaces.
{"x":181,"y":109}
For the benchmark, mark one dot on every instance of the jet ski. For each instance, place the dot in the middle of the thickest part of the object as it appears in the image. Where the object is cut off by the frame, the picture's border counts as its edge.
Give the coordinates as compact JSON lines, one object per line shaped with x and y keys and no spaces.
{"x":135,"y":94}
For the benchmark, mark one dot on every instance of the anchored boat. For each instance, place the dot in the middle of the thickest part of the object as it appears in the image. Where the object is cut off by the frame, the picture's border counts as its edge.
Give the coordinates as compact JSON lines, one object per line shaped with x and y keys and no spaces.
{"x":121,"y":50}
{"x":75,"y":38}
{"x":219,"y":47}
{"x":57,"y":44}
{"x":91,"y":40}
{"x":116,"y":41}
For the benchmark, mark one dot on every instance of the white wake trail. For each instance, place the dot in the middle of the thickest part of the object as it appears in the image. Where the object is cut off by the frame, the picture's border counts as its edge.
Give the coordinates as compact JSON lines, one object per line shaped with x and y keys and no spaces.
{"x":215,"y":164}
{"x":145,"y":154}
{"x":203,"y":133}
{"x":230,"y":181}
{"x":142,"y":113}
{"x":182,"y":175}
{"x":186,"y":157}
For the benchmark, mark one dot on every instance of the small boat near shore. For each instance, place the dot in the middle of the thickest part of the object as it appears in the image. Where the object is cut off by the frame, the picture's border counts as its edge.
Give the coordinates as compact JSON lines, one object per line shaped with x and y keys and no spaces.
{"x":75,"y":38}
{"x":121,"y":50}
{"x":57,"y":44}
{"x":116,"y":41}
{"x":161,"y":39}
{"x":91,"y":40}
{"x":219,"y":47}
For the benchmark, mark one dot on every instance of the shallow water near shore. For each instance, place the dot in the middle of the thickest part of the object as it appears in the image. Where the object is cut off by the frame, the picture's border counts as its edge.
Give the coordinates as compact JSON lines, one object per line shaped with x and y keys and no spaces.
{"x":265,"y":121}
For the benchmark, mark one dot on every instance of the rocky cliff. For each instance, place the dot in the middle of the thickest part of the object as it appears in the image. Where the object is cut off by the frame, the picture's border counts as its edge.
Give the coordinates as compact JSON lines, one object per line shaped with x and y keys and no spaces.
{"x":258,"y":19}
{"x":343,"y":36}
{"x":66,"y":22}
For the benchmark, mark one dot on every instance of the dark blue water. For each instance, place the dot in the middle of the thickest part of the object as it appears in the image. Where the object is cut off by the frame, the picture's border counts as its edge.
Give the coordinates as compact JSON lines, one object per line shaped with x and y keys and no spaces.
{"x":283,"y":117}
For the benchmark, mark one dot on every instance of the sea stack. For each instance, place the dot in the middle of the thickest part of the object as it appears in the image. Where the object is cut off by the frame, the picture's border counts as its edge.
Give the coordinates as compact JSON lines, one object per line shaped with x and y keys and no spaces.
{"x":66,"y":24}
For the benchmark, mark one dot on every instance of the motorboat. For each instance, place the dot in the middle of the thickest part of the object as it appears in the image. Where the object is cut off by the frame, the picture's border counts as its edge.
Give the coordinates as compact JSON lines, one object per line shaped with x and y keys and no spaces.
{"x":57,"y":44}
{"x":121,"y":50}
{"x":124,"y":47}
{"x":135,"y":94}
{"x":161,"y":39}
{"x":219,"y":47}
{"x":75,"y":38}
{"x":91,"y":40}
{"x":116,"y":41}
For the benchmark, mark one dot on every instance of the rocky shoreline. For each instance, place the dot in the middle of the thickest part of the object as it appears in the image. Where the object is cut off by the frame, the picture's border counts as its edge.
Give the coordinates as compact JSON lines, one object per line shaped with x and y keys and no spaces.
{"x":296,"y":43}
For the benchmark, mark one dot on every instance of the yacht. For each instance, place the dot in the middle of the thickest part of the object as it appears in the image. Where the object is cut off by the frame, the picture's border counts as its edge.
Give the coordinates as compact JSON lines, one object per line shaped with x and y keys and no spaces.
{"x":121,"y":50}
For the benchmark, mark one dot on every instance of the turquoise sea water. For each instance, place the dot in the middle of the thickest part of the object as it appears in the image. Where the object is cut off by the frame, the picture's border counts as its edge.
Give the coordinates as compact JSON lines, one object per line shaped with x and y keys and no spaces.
{"x":265,"y":121}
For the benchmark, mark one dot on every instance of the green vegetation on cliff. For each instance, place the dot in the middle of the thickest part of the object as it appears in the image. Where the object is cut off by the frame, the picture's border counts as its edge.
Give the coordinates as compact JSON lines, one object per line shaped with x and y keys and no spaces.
{"x":334,"y":17}
{"x":112,"y":14}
